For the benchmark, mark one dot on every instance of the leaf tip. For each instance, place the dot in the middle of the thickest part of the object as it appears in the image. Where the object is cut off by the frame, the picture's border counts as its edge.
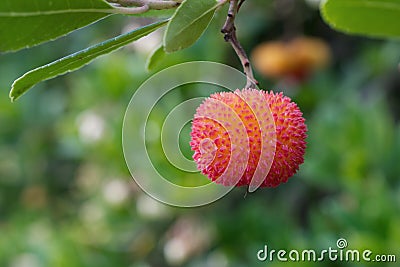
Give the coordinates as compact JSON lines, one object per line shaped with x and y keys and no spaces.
{"x":12,"y":97}
{"x":155,"y":58}
{"x":14,"y":93}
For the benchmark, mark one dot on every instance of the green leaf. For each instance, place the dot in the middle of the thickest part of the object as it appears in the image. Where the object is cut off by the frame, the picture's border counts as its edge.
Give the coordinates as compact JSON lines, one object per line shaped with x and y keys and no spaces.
{"x":189,"y":22}
{"x":77,"y":60}
{"x":375,"y":18}
{"x":25,"y":23}
{"x":155,"y":58}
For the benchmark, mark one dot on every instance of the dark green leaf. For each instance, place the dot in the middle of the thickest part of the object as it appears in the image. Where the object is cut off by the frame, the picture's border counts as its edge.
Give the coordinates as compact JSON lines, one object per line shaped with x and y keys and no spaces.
{"x":189,"y":22}
{"x":379,"y":18}
{"x":77,"y":60}
{"x":25,"y":23}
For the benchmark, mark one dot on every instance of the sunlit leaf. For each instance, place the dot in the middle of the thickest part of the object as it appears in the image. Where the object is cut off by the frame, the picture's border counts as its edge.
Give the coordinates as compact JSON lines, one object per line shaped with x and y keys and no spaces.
{"x":377,"y":18}
{"x":77,"y":60}
{"x":188,"y":23}
{"x":26,"y":23}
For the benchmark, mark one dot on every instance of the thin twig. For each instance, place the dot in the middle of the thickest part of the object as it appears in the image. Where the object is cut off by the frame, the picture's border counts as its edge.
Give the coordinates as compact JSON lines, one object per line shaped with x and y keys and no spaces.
{"x":150,"y":4}
{"x":240,"y":4}
{"x":229,"y":32}
{"x":129,"y":10}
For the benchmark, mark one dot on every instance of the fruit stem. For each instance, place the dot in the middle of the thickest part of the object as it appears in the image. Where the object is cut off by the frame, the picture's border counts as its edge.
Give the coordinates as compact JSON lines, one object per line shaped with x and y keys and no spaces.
{"x":229,"y":31}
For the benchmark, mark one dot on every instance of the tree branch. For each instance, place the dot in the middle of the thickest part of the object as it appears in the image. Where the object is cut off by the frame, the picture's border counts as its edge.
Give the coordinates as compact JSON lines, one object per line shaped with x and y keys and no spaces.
{"x":129,"y":10}
{"x":141,"y":6}
{"x":229,"y":32}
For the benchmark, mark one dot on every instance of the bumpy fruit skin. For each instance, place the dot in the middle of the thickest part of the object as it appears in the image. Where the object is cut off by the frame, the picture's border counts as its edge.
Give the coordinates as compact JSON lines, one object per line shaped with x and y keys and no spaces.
{"x":211,"y":141}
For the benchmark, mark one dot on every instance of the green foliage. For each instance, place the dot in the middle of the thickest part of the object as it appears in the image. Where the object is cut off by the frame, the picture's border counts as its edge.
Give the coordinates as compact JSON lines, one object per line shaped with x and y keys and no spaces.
{"x":63,"y":17}
{"x":155,"y":58}
{"x":28,"y":23}
{"x":188,"y":24}
{"x":67,"y":199}
{"x":375,"y":18}
{"x":77,"y":60}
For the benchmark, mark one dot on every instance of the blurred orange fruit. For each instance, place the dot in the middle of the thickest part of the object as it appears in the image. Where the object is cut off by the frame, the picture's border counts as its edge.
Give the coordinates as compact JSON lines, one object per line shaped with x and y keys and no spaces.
{"x":296,"y":58}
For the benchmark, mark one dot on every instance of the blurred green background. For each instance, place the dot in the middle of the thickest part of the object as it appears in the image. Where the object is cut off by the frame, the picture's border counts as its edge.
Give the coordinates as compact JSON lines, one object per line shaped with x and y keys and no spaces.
{"x":67,"y":198}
